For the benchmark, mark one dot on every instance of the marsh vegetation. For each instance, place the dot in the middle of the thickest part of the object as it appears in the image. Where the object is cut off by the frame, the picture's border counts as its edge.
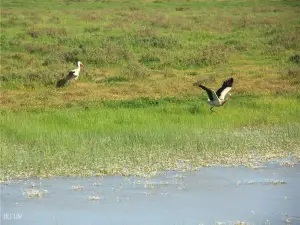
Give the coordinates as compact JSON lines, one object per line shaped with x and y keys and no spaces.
{"x":135,"y":110}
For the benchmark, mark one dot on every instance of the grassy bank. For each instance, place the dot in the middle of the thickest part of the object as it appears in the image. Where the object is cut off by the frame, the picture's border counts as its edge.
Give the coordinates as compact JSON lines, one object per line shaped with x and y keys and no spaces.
{"x":251,"y":40}
{"x":143,"y":136}
{"x":135,"y":110}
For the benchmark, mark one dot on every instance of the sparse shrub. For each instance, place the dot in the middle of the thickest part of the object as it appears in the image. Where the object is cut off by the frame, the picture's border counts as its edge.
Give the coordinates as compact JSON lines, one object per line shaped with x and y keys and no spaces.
{"x":146,"y":31}
{"x":168,"y":72}
{"x":20,"y":56}
{"x":72,"y":56}
{"x":50,"y":61}
{"x":192,"y":73}
{"x":149,"y":60}
{"x":247,"y":21}
{"x":210,"y":55}
{"x":182,"y":8}
{"x":264,"y":9}
{"x":36,"y":32}
{"x":236,"y":44}
{"x":13,"y":77}
{"x":293,"y":74}
{"x":289,"y":40}
{"x":91,"y":16}
{"x":7,"y":43}
{"x":134,"y":69}
{"x":134,"y":103}
{"x":295,"y":58}
{"x":166,"y":41}
{"x":54,"y":19}
{"x":134,"y":8}
{"x":42,"y":76}
{"x":109,"y":80}
{"x":107,"y":54}
{"x":214,"y":54}
{"x":31,"y":78}
{"x":38,"y":48}
{"x":14,"y":21}
{"x":91,"y":29}
{"x":274,"y":51}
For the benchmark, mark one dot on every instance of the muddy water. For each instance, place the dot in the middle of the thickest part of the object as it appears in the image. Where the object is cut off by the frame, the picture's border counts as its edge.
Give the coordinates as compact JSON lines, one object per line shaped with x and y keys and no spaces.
{"x":215,"y":195}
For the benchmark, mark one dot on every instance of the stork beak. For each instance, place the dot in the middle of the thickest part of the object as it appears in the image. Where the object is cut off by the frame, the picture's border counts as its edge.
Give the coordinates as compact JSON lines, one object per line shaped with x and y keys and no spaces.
{"x":81,"y":65}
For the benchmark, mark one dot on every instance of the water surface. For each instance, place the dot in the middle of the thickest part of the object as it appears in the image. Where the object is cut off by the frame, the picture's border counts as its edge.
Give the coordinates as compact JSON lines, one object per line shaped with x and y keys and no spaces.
{"x":212,"y":195}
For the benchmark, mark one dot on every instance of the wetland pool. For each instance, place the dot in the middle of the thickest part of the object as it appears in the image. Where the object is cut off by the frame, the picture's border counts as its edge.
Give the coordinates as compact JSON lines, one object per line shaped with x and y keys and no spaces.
{"x":210,"y":195}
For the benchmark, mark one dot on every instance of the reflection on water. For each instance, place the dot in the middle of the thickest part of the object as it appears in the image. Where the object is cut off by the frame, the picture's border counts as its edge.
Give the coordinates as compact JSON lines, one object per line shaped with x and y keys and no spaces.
{"x":215,"y":195}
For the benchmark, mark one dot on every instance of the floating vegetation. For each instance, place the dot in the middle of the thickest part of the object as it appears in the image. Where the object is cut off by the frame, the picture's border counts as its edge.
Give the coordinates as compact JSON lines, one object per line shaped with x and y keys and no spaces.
{"x":149,"y":185}
{"x":34,"y":193}
{"x":181,"y":187}
{"x":241,"y":223}
{"x":77,"y":187}
{"x":233,"y":223}
{"x":266,"y":181}
{"x":179,"y":176}
{"x":146,"y":193}
{"x":93,"y":197}
{"x":289,"y":161}
{"x":288,"y":219}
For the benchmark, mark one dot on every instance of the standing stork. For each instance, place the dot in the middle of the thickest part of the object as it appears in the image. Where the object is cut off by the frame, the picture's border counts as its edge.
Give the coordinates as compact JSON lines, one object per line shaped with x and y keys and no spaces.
{"x":72,"y":75}
{"x":220,"y":97}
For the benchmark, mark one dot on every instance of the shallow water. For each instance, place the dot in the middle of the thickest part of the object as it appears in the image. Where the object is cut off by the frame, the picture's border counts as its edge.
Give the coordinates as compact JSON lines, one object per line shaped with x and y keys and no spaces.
{"x":214,"y":195}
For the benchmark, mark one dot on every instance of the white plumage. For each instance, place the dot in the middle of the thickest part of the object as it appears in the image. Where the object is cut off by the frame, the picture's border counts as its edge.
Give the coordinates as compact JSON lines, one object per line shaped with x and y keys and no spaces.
{"x":72,"y":75}
{"x":75,"y":73}
{"x":221,"y":96}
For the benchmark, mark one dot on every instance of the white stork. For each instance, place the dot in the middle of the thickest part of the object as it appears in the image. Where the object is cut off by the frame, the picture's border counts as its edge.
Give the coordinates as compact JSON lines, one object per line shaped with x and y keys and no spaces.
{"x":220,"y":97}
{"x":72,"y":75}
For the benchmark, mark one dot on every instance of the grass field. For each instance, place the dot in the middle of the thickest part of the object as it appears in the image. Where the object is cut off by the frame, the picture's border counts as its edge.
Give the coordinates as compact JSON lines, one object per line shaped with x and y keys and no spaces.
{"x":144,"y":136}
{"x":135,"y":110}
{"x":251,"y":40}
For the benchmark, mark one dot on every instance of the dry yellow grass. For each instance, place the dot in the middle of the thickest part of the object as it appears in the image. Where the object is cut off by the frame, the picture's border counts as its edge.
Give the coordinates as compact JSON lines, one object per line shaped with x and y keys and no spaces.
{"x":262,"y":80}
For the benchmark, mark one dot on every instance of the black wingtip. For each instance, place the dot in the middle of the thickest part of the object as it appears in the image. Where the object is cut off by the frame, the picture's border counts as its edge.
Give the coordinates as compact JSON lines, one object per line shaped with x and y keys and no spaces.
{"x":228,"y":82}
{"x":61,"y":83}
{"x":197,"y":83}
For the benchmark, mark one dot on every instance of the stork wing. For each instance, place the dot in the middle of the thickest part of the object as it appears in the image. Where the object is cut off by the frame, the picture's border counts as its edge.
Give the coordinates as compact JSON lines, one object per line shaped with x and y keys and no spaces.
{"x":211,"y":94}
{"x":70,"y":75}
{"x":227,"y":85}
{"x":61,"y":83}
{"x":224,"y":93}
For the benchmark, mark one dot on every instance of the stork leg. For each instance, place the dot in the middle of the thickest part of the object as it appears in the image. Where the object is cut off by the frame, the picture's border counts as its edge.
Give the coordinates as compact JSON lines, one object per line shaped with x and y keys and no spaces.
{"x":76,"y":83}
{"x":211,"y":110}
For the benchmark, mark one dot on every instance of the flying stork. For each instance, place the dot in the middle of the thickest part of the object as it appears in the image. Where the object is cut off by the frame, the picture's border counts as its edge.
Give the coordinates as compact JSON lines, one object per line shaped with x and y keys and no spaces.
{"x":72,"y":75}
{"x":220,"y":97}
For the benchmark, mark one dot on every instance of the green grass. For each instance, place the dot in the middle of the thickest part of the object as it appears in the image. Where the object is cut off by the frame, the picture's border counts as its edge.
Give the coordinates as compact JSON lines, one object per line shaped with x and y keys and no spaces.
{"x":135,"y":110}
{"x":144,"y":136}
{"x":41,"y":40}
